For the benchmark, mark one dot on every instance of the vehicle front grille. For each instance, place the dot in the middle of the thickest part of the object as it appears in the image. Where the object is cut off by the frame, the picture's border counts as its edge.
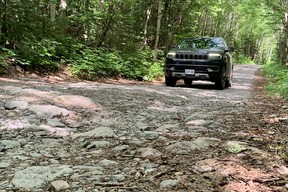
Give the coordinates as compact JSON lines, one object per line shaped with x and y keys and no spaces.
{"x":190,"y":56}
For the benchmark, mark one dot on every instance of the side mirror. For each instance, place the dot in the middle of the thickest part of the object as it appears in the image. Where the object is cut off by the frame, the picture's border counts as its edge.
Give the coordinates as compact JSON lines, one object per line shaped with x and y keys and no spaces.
{"x":230,"y":49}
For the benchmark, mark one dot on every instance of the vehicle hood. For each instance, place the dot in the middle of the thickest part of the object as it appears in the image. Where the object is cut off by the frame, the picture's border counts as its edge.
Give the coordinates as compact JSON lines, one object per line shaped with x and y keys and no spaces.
{"x":198,"y":51}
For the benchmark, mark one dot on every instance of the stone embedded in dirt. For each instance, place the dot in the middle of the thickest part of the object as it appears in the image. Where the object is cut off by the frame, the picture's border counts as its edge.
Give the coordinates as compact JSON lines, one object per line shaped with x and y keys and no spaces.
{"x":49,"y":111}
{"x":99,"y":132}
{"x":187,"y":146}
{"x":14,"y":104}
{"x":206,"y":165}
{"x":98,"y":144}
{"x":199,"y":122}
{"x":108,"y":163}
{"x":150,"y":153}
{"x":169,"y":184}
{"x":4,"y":165}
{"x":151,"y":135}
{"x":62,"y":132}
{"x":9,"y":144}
{"x":60,"y":185}
{"x":36,"y":177}
{"x":167,"y":127}
{"x":283,"y":170}
{"x":76,"y":101}
{"x":55,"y":122}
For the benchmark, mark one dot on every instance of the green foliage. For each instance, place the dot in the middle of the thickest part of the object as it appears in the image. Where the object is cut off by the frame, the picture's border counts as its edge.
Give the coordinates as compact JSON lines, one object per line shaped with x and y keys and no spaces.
{"x":6,"y":56}
{"x":240,"y":58}
{"x":88,"y":63}
{"x":40,"y":55}
{"x":117,"y":38}
{"x":278,"y":78}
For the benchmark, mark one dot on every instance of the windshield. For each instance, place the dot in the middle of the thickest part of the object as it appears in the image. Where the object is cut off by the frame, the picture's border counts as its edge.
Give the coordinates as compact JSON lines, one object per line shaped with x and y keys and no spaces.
{"x":202,"y":43}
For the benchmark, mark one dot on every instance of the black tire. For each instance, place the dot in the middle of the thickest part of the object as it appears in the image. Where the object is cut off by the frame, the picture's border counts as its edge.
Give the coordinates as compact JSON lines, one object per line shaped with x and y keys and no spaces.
{"x":228,"y":83}
{"x":220,"y":83}
{"x":170,"y":81}
{"x":188,"y":82}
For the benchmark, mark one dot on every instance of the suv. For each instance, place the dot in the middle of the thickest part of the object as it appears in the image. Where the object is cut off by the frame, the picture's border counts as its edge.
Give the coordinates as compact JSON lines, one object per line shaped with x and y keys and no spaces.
{"x":201,"y":58}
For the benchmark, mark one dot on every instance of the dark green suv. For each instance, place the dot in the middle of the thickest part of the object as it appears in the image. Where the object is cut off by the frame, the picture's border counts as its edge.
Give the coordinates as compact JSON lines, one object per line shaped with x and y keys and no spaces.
{"x":201,"y":58}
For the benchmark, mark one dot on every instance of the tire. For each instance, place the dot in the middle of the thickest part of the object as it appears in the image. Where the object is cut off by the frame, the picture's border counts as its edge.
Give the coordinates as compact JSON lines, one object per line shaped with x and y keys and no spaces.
{"x":220,"y":83}
{"x":170,"y":81}
{"x":188,"y":82}
{"x":228,"y":83}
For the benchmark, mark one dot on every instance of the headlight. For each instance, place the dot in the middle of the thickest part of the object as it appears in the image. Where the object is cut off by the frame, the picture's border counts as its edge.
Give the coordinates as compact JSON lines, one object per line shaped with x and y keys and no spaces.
{"x":171,"y":54}
{"x":214,"y":56}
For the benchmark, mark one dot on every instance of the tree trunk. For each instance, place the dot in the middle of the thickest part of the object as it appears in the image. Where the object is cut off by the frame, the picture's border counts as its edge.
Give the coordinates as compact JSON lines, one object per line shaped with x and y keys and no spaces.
{"x":53,"y":11}
{"x":63,"y":7}
{"x":284,"y":5}
{"x":107,"y":23}
{"x":4,"y":28}
{"x":158,"y":29}
{"x":145,"y":31}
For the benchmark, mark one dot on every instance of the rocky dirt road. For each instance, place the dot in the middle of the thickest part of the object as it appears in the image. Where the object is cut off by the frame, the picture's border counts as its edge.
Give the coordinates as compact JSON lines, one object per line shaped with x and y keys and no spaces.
{"x":86,"y":136}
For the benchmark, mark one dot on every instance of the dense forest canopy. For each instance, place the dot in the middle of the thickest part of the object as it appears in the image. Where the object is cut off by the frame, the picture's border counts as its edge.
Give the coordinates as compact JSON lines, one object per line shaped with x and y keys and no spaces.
{"x":129,"y":38}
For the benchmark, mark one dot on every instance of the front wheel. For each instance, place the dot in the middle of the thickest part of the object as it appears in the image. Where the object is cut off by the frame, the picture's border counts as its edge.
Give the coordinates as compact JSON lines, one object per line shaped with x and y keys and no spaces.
{"x":220,"y":83}
{"x":170,"y":81}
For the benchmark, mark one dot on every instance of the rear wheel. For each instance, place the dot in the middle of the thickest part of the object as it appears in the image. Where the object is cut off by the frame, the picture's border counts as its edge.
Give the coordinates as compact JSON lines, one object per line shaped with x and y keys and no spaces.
{"x":170,"y":81}
{"x":188,"y":82}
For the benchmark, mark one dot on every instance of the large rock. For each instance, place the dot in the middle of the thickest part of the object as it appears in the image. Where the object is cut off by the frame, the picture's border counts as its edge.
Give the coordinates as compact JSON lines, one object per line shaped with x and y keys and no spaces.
{"x":71,"y":101}
{"x":37,"y":177}
{"x":14,"y":104}
{"x":49,"y":111}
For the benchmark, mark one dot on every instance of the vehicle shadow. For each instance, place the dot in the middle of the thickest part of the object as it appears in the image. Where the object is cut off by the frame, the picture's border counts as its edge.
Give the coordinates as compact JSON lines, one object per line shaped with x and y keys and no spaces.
{"x":198,"y":85}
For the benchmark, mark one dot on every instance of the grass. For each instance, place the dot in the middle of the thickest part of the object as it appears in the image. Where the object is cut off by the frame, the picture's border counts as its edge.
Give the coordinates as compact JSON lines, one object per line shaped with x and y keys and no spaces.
{"x":277,"y":75}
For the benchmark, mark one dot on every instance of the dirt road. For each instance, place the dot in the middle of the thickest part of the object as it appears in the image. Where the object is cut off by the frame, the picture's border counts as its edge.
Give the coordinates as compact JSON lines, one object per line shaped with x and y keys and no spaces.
{"x":127,"y":136}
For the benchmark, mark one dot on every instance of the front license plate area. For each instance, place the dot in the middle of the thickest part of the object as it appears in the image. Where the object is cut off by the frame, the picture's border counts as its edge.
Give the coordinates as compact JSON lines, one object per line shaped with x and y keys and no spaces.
{"x":189,"y":72}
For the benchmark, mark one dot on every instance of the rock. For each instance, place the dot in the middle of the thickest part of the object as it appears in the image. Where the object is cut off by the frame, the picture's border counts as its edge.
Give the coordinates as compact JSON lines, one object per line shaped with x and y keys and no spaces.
{"x":283,"y":170}
{"x":98,"y":144}
{"x":167,"y":127}
{"x":72,"y":101}
{"x":150,"y":153}
{"x":4,"y":165}
{"x":60,"y":185}
{"x":151,"y":135}
{"x":37,"y":177}
{"x":204,"y":142}
{"x":120,"y":148}
{"x":198,"y":144}
{"x":199,"y":122}
{"x":9,"y":144}
{"x":56,"y":131}
{"x":108,"y":163}
{"x":49,"y":111}
{"x":14,"y":104}
{"x":55,"y":122}
{"x":100,"y":132}
{"x":169,"y":184}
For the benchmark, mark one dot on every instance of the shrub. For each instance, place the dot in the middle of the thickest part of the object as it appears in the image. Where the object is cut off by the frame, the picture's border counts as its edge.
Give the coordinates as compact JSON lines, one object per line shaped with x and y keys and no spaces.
{"x":278,"y":77}
{"x":242,"y":59}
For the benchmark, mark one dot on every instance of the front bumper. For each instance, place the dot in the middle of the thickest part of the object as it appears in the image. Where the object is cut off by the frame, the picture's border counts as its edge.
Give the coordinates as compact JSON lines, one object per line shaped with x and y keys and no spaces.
{"x":197,"y":70}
